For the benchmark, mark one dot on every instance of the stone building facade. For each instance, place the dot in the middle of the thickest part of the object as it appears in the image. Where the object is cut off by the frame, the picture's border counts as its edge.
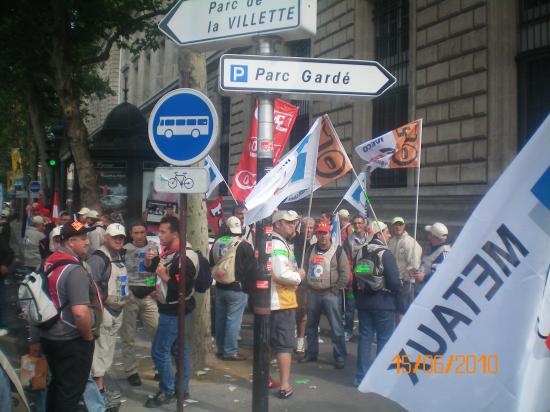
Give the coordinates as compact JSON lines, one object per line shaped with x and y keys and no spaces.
{"x":464,"y":66}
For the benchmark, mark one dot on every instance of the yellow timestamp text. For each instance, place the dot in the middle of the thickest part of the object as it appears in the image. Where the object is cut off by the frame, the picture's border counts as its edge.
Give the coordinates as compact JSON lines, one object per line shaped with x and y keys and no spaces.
{"x":445,"y":365}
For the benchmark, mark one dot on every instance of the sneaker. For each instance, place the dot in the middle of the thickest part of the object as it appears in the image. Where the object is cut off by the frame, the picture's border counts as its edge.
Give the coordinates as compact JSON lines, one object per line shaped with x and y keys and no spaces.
{"x":307,"y":359}
{"x":159,"y":399}
{"x":300,"y":345}
{"x":3,"y":331}
{"x":235,"y":357}
{"x":285,"y":393}
{"x":134,"y":379}
{"x":339,"y":364}
{"x":113,"y":394}
{"x":347,"y":336}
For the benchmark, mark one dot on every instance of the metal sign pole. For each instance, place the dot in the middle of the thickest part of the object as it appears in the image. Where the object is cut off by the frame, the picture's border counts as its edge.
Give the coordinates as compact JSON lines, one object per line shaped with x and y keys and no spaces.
{"x":262,"y":290}
{"x":181,"y":300}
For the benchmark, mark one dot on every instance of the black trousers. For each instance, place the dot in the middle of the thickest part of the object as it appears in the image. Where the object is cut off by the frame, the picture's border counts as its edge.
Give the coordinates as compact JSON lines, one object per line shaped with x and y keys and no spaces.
{"x":70,"y":362}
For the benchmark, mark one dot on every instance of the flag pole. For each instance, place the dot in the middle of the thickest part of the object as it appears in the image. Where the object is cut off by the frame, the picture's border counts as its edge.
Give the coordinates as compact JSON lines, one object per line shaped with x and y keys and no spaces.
{"x":339,"y":203}
{"x":230,"y":192}
{"x":417,"y":187}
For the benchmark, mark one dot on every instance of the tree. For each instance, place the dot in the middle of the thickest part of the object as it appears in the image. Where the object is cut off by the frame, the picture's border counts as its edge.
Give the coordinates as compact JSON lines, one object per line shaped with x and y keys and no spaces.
{"x":192,"y":72}
{"x":66,"y":45}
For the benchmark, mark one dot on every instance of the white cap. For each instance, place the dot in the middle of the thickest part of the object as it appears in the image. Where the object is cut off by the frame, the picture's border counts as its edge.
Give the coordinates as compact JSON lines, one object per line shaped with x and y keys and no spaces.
{"x":343,"y":213}
{"x":83,"y":211}
{"x":56,"y":231}
{"x":288,"y":215}
{"x":115,"y":229}
{"x":92,"y":214}
{"x":376,"y":226}
{"x":439,"y":230}
{"x":38,"y":219}
{"x":234,"y":225}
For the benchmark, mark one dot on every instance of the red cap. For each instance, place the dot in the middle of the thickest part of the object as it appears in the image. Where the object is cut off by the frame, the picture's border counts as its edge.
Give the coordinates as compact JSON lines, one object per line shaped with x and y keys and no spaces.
{"x":322,"y":227}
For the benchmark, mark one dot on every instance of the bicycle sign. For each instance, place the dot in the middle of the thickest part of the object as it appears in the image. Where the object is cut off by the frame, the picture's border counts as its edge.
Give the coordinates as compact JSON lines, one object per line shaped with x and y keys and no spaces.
{"x":183,"y":127}
{"x":181,"y":180}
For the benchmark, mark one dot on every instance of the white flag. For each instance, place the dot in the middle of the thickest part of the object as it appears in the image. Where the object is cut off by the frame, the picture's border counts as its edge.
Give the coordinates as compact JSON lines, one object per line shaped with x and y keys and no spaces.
{"x":479,"y":310}
{"x":356,"y":194}
{"x":293,"y":173}
{"x":214,"y":175}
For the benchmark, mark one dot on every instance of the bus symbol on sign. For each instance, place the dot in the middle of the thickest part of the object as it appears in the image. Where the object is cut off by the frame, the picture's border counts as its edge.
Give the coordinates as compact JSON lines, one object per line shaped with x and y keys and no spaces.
{"x":193,"y":126}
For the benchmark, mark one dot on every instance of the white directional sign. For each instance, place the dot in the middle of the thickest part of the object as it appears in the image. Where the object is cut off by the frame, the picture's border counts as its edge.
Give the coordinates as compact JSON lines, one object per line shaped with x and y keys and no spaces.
{"x":211,"y":25}
{"x":181,"y":180}
{"x":298,"y":76}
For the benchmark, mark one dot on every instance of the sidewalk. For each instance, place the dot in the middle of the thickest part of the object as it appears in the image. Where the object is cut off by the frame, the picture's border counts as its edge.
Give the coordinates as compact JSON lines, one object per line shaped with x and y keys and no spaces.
{"x":226,"y":386}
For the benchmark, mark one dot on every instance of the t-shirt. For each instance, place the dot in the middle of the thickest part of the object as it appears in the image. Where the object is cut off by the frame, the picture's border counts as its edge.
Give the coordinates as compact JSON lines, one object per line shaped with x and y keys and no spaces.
{"x":73,"y":286}
{"x":141,"y":282}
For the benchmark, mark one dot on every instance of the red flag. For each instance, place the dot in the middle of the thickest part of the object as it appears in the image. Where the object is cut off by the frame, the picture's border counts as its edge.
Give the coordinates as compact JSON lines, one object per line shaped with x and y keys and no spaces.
{"x":55,"y":209}
{"x":244,"y":178}
{"x":215,"y":215}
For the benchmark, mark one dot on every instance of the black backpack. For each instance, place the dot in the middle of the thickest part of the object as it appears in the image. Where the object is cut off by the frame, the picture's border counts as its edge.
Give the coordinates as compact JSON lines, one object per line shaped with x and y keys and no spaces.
{"x":369,"y":270}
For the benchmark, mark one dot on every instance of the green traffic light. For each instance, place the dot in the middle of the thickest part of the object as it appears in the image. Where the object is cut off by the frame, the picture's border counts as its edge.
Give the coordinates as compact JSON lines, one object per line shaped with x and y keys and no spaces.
{"x":53,"y":162}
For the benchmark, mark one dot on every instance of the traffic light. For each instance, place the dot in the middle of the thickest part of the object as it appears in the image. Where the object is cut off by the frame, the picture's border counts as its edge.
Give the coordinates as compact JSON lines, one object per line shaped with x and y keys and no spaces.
{"x":52,"y":162}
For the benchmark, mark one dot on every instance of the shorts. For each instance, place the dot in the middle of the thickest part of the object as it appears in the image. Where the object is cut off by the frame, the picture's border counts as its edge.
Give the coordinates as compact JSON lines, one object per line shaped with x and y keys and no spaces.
{"x":405,"y":297}
{"x":283,"y":328}
{"x":301,"y":311}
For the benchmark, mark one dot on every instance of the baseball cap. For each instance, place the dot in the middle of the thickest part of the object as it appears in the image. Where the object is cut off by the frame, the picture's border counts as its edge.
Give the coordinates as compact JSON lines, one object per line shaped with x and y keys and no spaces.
{"x":439,"y":230}
{"x":322,"y":226}
{"x":5,"y":212}
{"x":398,"y":219}
{"x":74,"y":228}
{"x":56,"y":231}
{"x":116,"y":229}
{"x":92,"y":214}
{"x":83,"y":211}
{"x":343,"y":213}
{"x":375,"y":227}
{"x":38,"y":219}
{"x":288,"y":215}
{"x":234,"y":225}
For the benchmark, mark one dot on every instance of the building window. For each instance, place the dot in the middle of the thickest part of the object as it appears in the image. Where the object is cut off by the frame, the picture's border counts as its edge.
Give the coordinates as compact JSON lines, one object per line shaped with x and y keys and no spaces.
{"x":391,"y":24}
{"x":533,"y":63}
{"x":224,"y":143}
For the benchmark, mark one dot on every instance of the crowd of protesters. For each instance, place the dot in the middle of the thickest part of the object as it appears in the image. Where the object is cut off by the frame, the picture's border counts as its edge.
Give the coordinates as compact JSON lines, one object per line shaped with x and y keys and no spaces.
{"x":103,"y":276}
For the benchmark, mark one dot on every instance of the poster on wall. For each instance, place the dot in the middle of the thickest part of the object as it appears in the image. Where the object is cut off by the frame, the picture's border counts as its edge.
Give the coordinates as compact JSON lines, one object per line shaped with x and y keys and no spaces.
{"x":156,"y":209}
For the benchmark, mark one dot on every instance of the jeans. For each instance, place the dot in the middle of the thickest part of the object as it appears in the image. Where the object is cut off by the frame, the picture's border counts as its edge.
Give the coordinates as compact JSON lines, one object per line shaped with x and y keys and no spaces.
{"x":329,"y":304}
{"x":230,"y":307}
{"x":92,"y":397}
{"x":70,"y":362}
{"x":349,"y":313}
{"x":370,"y":321}
{"x":5,"y":391}
{"x":165,"y":346}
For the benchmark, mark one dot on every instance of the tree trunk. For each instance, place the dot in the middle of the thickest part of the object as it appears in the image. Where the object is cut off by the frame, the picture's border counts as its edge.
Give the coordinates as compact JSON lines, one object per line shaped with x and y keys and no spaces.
{"x":77,"y":132}
{"x":192,"y":70}
{"x":39,"y":133}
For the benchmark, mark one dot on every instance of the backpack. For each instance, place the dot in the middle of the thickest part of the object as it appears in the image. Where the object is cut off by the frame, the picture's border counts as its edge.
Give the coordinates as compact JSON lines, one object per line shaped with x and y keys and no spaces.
{"x":35,"y":300}
{"x":369,"y":270}
{"x":224,"y":270}
{"x":202,"y":279}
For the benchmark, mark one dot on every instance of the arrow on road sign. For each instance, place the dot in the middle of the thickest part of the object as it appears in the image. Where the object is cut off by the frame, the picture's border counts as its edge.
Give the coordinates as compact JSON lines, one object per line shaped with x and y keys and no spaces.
{"x":302,"y":76}
{"x":224,"y":24}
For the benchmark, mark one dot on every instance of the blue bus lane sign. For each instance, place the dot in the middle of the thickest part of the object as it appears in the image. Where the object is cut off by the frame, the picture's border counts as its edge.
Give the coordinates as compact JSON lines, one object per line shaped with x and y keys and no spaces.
{"x":183,"y":127}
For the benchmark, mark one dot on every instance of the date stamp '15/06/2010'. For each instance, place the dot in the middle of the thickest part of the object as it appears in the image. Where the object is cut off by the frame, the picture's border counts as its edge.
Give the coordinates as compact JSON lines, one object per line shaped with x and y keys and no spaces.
{"x":445,"y":365}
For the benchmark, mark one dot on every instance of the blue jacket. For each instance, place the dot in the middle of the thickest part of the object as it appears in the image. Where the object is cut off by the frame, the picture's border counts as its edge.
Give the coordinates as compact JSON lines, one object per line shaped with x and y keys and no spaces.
{"x":383,"y":299}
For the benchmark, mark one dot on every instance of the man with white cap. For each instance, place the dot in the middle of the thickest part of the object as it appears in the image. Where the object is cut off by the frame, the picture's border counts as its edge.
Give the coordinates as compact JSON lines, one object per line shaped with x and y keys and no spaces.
{"x":93,"y":219}
{"x":438,"y":238}
{"x":408,"y":254}
{"x":345,"y":226}
{"x":109,"y":272}
{"x":375,"y":287}
{"x":233,"y":264}
{"x":285,"y":278}
{"x":81,"y":214}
